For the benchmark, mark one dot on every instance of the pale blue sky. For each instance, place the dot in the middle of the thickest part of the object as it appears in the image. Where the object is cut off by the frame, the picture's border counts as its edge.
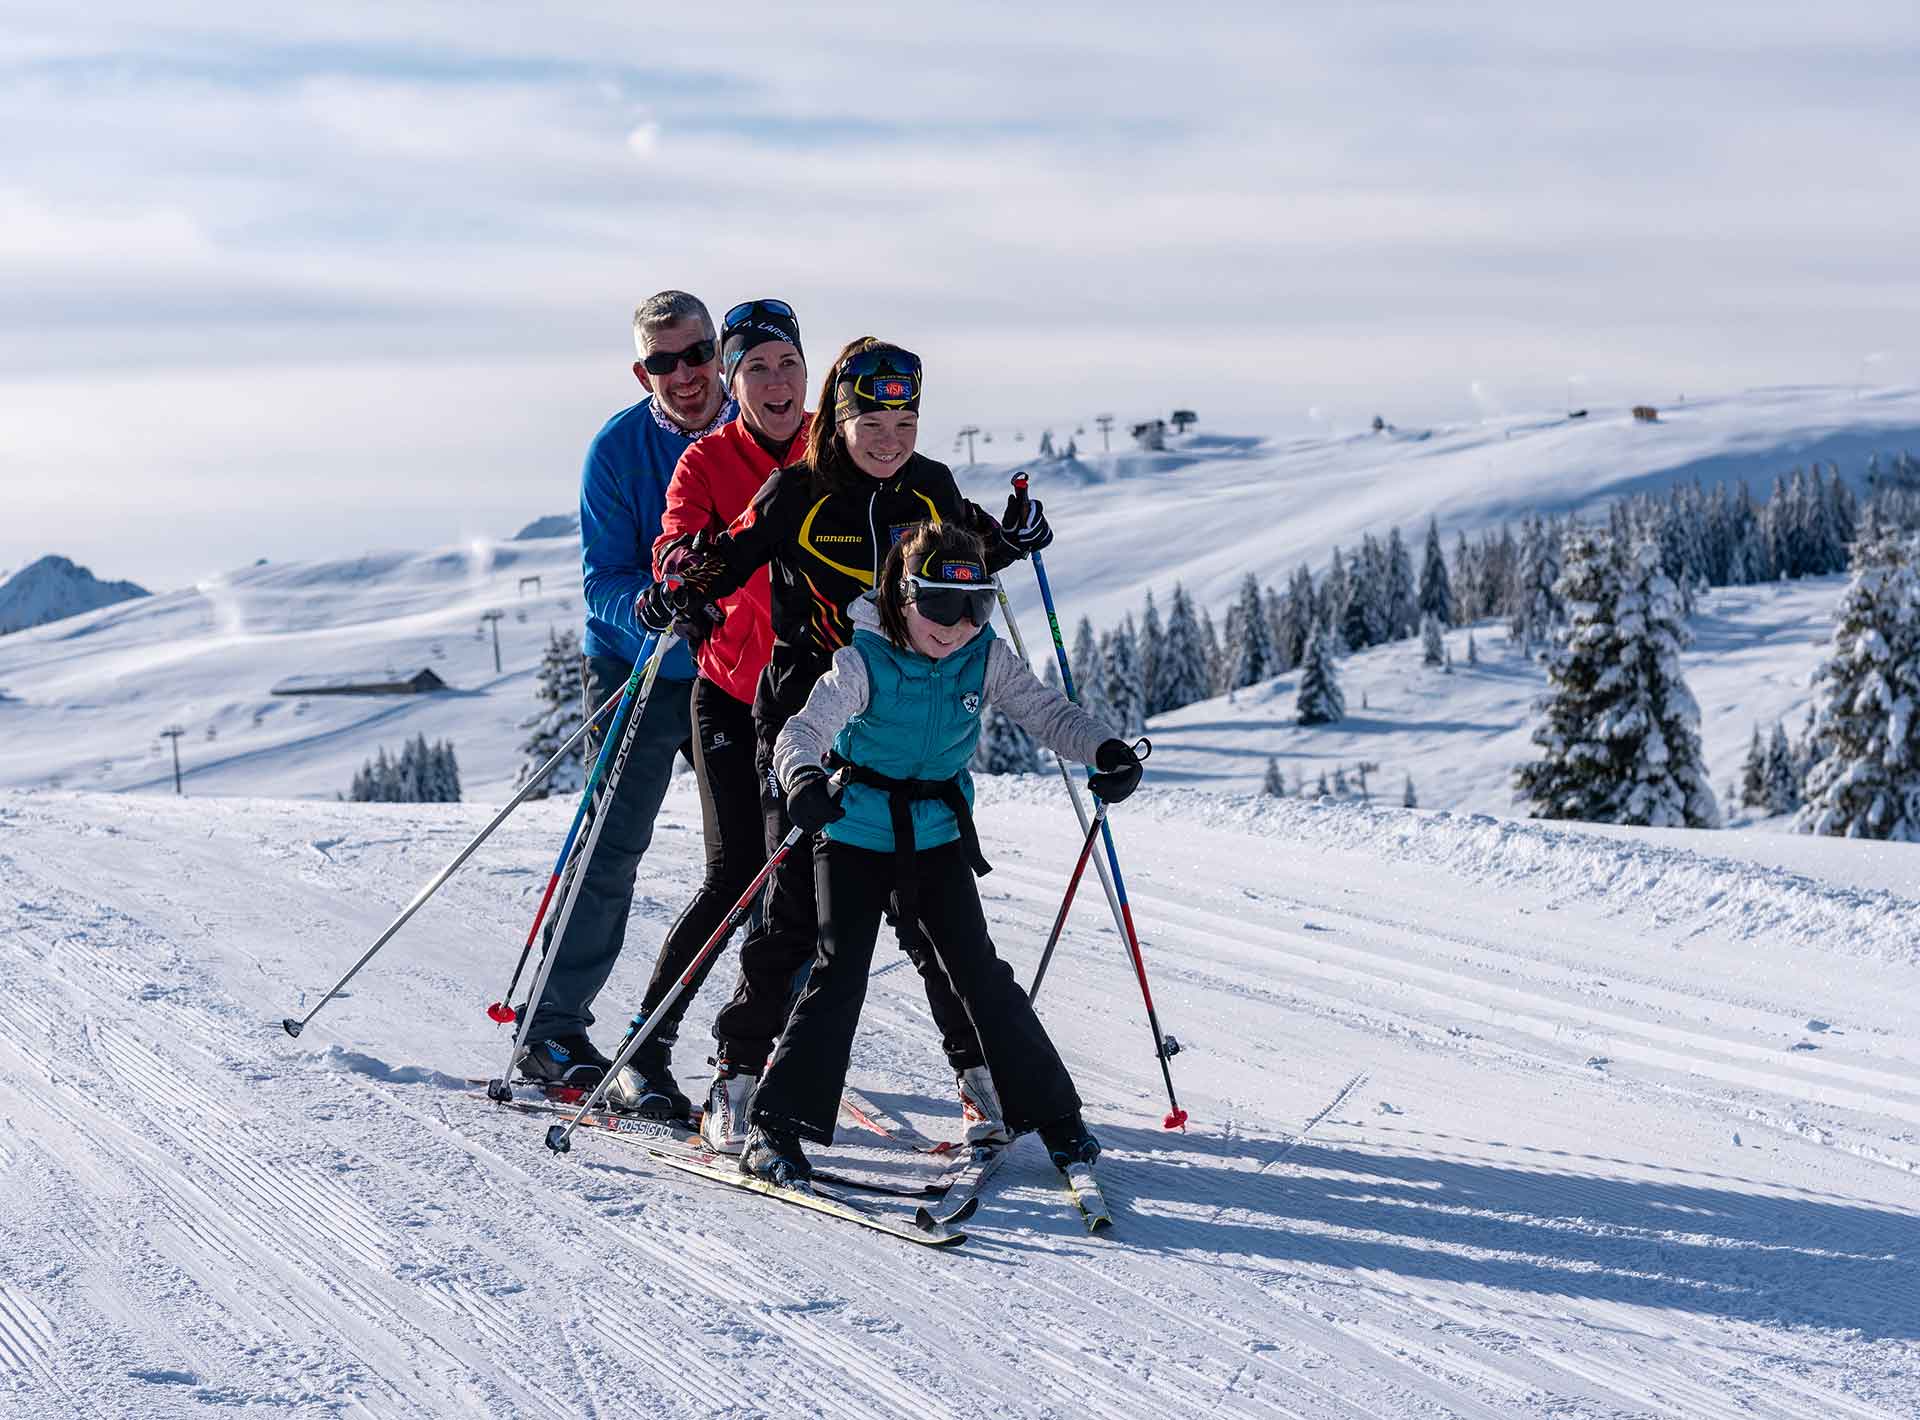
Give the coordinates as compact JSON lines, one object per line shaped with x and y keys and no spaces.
{"x":297,"y":284}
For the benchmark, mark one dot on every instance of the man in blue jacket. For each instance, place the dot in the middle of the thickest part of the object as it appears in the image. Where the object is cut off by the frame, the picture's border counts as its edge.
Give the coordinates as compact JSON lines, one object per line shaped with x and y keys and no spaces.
{"x":623,"y":491}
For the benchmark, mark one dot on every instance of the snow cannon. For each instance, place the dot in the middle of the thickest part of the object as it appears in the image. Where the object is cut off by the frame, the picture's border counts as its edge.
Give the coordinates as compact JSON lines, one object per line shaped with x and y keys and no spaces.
{"x":501,"y":1013}
{"x":557,"y":1139}
{"x":292,"y":1027}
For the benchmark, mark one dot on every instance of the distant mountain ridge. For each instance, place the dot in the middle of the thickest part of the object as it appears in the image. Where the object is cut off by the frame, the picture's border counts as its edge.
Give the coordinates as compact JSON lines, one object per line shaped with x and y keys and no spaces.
{"x":55,"y":588}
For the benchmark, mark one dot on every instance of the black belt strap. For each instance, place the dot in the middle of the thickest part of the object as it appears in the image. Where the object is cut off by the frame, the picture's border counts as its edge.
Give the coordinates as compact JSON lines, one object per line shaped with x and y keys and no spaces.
{"x":901,"y":795}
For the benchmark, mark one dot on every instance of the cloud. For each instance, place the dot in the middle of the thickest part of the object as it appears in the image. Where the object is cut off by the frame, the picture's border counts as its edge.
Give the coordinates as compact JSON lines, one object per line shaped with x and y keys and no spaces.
{"x":326,"y":220}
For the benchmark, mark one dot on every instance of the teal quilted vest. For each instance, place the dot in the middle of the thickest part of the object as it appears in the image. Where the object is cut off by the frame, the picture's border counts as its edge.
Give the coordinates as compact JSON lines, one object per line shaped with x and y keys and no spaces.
{"x":922,"y":721}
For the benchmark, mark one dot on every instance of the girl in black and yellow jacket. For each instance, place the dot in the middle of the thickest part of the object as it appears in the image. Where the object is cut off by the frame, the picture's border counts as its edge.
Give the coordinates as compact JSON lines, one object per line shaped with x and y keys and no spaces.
{"x":824,"y":527}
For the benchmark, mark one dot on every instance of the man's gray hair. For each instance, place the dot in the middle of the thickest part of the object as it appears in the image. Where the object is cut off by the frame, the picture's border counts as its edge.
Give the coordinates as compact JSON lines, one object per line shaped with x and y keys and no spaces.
{"x":667,"y":308}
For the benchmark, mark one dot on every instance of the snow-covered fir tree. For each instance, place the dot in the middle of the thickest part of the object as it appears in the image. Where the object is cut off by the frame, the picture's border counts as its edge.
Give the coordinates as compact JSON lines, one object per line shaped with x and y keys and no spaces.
{"x":423,"y":774}
{"x":557,"y":689}
{"x":1121,"y":686}
{"x":1433,"y":650}
{"x":1341,"y":789}
{"x":1089,"y":672}
{"x":1473,"y":651}
{"x":1004,"y":747}
{"x":1865,"y":782}
{"x":1146,"y":648}
{"x":1536,"y":599}
{"x":1408,"y":799}
{"x":1321,"y":790}
{"x":1436,"y":588}
{"x":1180,"y":670}
{"x":1274,"y":784}
{"x":1753,"y":771}
{"x":1251,"y":638}
{"x":1618,"y":724}
{"x":1403,"y":596}
{"x":1319,"y":701}
{"x":1294,"y":620}
{"x":1210,"y":644}
{"x":1331,"y":604}
{"x":1781,"y":778}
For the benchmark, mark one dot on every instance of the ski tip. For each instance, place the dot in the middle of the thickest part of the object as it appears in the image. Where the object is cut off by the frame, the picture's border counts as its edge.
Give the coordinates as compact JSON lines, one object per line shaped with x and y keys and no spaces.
{"x":292,"y":1027}
{"x":501,"y":1013}
{"x":557,"y":1139}
{"x":1176,"y":1119}
{"x":1099,"y":1223}
{"x":964,"y":1211}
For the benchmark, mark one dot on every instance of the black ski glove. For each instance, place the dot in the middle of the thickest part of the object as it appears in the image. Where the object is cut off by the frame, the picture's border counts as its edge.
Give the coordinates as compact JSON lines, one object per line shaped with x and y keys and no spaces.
{"x":1119,"y":770}
{"x":695,"y":615}
{"x":652,"y":610}
{"x":810,"y":804}
{"x":1025,"y":526}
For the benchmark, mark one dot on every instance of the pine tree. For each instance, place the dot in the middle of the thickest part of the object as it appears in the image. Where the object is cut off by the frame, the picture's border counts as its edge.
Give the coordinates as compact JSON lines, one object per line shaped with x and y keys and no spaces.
{"x":1436,"y":589}
{"x":1341,"y":789}
{"x":1536,"y":601}
{"x":1335,"y":589}
{"x":1321,"y":790}
{"x":1089,"y":678}
{"x":1274,"y":785}
{"x":557,"y":689}
{"x":449,"y":772}
{"x":1181,"y":667}
{"x":1753,"y":772}
{"x":1433,"y":650}
{"x":1004,"y":747}
{"x":1319,"y":701}
{"x":1121,"y":687}
{"x":1403,"y":598}
{"x":1147,"y":648}
{"x":1619,"y":726}
{"x":1473,"y":651}
{"x":1251,"y":638}
{"x":1865,"y":782}
{"x":1408,"y":800}
{"x":1210,"y":643}
{"x":1782,"y":780}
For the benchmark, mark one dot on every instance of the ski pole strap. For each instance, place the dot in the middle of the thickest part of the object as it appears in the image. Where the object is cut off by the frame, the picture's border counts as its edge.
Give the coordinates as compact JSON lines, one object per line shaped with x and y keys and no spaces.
{"x":901,"y":796}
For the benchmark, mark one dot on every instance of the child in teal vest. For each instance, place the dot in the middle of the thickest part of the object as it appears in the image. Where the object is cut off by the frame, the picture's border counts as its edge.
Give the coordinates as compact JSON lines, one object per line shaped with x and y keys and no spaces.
{"x":899,"y":713}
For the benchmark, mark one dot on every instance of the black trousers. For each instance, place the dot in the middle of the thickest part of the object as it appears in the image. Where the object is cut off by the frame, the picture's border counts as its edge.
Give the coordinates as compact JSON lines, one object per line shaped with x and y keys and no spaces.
{"x":723,"y":763}
{"x":788,"y":938}
{"x":598,"y":928}
{"x":800,"y":1090}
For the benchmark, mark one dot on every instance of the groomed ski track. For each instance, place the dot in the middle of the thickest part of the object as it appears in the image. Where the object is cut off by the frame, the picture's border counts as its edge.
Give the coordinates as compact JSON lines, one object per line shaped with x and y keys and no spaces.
{"x":1640,"y":1135}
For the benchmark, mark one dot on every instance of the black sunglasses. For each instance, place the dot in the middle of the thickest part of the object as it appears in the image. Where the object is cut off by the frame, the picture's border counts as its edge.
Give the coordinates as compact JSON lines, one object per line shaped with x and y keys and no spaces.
{"x":665,"y":362}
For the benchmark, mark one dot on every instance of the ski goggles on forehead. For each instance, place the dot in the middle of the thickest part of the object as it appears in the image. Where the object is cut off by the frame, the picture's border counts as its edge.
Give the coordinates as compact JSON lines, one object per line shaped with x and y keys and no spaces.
{"x":665,"y":362}
{"x":747,"y":310}
{"x":962,"y":590}
{"x":883,"y":379}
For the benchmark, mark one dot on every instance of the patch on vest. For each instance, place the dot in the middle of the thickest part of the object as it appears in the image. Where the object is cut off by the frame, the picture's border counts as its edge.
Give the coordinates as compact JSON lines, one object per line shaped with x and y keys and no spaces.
{"x":971,"y":700}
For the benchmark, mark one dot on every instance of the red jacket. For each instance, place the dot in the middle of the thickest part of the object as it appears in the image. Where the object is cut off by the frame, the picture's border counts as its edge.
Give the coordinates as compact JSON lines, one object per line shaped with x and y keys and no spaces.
{"x":712,"y":484}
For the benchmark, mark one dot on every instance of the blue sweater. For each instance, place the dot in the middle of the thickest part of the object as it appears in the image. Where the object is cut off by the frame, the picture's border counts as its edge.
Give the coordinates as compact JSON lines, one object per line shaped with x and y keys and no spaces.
{"x":623,"y":491}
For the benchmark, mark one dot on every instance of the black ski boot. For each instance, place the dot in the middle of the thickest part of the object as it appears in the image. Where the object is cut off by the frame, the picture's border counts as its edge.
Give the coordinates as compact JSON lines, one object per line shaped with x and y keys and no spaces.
{"x":774,"y":1154}
{"x":645,"y":1085}
{"x":1069,"y":1141}
{"x":566,"y":1060}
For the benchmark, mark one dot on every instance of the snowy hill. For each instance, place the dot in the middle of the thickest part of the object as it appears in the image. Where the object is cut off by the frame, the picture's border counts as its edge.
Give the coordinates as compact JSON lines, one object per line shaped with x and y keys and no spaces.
{"x":54,"y":588}
{"x":1637,"y":1135}
{"x":1211,"y":508}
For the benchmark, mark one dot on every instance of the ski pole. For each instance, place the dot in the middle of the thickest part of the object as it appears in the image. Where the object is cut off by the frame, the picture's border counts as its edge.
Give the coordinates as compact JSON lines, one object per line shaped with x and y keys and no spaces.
{"x":560,"y":1136}
{"x":501,"y":1010}
{"x":1164,"y":1047}
{"x":294,"y":1027}
{"x":1073,"y":884}
{"x":502,"y":1088}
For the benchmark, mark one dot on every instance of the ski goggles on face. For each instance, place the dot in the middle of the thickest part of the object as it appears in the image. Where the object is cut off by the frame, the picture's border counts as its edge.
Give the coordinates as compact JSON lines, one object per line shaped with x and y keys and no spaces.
{"x":877,"y":380}
{"x":747,"y":310}
{"x":944,"y":603}
{"x":665,"y":362}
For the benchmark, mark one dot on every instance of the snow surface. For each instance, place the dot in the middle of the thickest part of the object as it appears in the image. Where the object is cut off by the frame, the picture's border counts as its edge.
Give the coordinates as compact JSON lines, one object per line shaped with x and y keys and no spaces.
{"x":1638,"y":1136}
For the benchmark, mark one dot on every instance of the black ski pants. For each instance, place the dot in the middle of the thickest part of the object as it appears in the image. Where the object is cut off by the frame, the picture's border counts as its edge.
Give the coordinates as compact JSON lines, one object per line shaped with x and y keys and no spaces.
{"x":723,"y":764}
{"x":787,"y":940}
{"x":598,"y":928}
{"x":800,"y":1090}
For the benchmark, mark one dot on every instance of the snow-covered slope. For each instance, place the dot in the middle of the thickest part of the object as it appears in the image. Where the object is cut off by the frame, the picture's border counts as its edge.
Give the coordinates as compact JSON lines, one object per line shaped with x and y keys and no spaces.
{"x":88,"y":697}
{"x":1212,"y":508}
{"x":54,"y":588}
{"x":1460,"y":733}
{"x":1637,"y":1136}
